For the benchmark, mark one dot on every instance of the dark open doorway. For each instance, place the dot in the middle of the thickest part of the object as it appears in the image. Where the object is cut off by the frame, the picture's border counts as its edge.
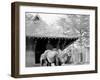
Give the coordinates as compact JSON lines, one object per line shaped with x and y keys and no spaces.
{"x":39,"y":45}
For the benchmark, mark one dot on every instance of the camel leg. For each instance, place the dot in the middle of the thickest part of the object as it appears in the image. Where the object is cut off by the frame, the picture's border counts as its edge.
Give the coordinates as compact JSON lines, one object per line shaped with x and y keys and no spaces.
{"x":59,"y":62}
{"x":48,"y":63}
{"x":42,"y":62}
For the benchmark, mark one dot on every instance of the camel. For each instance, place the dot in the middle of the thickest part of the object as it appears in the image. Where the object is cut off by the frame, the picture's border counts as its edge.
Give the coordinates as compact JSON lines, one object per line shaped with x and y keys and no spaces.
{"x":55,"y":57}
{"x":49,"y":57}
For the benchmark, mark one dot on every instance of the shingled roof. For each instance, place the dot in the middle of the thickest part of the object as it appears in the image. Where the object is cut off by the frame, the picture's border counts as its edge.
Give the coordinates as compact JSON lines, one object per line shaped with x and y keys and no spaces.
{"x":39,"y":28}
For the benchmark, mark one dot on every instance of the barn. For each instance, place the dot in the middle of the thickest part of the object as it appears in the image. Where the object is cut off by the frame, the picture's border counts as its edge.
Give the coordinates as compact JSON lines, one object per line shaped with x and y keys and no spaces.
{"x":40,"y":36}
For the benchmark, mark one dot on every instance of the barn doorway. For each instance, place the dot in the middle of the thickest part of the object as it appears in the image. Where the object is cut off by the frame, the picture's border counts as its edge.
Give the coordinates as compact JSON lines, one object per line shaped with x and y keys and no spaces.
{"x":40,"y":44}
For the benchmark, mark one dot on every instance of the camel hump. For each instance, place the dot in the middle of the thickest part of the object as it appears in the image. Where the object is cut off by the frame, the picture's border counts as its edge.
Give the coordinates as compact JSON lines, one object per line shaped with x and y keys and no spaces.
{"x":51,"y":54}
{"x":44,"y":55}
